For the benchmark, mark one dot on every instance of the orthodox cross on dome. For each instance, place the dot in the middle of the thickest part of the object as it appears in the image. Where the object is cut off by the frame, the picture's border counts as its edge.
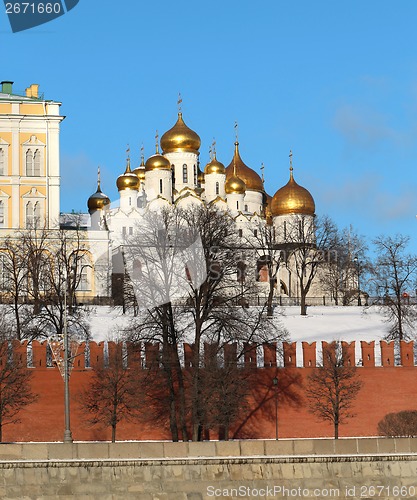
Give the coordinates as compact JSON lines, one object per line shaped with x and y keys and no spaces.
{"x":213,"y":147}
{"x":128,"y":158}
{"x":157,"y":141}
{"x":290,"y":155}
{"x":98,"y":178}
{"x":179,"y":102}
{"x":211,"y":152}
{"x":142,"y":154}
{"x":237,"y":131}
{"x":262,"y":170}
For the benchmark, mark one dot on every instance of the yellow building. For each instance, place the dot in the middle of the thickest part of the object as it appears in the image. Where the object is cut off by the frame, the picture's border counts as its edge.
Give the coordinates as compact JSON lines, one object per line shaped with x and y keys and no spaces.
{"x":29,"y":158}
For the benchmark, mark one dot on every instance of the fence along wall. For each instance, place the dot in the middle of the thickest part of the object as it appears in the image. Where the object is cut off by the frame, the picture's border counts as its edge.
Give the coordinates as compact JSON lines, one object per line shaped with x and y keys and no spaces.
{"x":37,"y":355}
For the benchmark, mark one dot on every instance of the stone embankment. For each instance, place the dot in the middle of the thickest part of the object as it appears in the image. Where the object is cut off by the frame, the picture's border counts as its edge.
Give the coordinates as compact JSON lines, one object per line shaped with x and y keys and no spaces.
{"x":321,"y":468}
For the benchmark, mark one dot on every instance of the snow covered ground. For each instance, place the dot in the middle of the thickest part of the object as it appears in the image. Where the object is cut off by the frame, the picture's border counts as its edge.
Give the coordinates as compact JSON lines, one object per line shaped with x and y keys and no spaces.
{"x":321,"y":323}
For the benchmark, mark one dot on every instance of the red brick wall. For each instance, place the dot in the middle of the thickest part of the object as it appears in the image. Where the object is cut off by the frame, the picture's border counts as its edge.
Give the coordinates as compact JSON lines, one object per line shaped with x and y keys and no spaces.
{"x":386,"y":389}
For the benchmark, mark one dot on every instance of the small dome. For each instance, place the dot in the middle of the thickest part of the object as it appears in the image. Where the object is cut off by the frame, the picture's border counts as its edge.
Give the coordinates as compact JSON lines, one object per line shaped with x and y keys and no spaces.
{"x":180,"y":138}
{"x":98,"y":200}
{"x":235,"y":185}
{"x":128,"y":180}
{"x":292,"y":199}
{"x":140,"y":171}
{"x":250,"y":177}
{"x":214,"y":167}
{"x":157,"y":162}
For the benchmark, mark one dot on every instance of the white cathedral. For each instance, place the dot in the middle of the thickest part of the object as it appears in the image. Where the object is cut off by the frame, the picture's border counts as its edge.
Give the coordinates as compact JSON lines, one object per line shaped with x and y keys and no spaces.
{"x":172,"y":177}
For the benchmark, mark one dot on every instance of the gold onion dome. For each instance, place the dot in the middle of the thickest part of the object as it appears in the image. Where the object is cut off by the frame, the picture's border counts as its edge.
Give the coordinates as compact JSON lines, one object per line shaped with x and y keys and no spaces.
{"x":140,"y":171}
{"x":180,"y":138}
{"x":235,"y":185}
{"x":157,"y":162}
{"x":292,"y":199}
{"x":128,"y":180}
{"x":98,"y":200}
{"x":250,"y":177}
{"x":214,"y":167}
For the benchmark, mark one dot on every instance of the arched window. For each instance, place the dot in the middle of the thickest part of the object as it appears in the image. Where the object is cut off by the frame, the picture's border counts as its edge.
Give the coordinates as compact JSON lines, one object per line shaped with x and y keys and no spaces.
{"x":2,"y":221}
{"x":2,"y":162}
{"x":37,"y":163}
{"x":285,"y":229}
{"x":83,"y":273}
{"x":137,"y":269}
{"x":37,"y":214}
{"x":217,"y":188}
{"x":29,"y":163}
{"x":33,"y":214}
{"x":184,"y":173}
{"x":246,"y":208}
{"x":241,"y":271}
{"x":237,"y":205}
{"x":195,"y":175}
{"x":29,"y":214}
{"x":160,"y":186}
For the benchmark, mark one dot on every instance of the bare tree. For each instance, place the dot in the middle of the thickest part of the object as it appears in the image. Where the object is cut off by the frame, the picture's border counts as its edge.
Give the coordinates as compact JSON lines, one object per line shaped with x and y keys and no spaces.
{"x":195,"y":286}
{"x":400,"y":424}
{"x":395,"y":273}
{"x":14,"y":278}
{"x":333,"y":387}
{"x":342,"y":273}
{"x":112,"y":395}
{"x":15,"y":378}
{"x":270,"y":254}
{"x":309,"y":243}
{"x":57,"y":270}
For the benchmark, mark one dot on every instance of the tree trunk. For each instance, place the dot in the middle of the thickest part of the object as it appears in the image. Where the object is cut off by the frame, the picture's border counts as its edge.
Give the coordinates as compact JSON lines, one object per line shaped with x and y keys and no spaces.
{"x":196,"y":386}
{"x":303,"y":304}
{"x":113,"y":433}
{"x":168,"y":371}
{"x":269,"y":308}
{"x":180,"y":376}
{"x":17,"y":316}
{"x":336,"y":430}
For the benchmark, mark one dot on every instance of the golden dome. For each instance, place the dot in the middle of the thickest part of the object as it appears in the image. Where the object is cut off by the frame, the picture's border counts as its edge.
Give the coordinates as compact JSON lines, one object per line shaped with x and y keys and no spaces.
{"x":235,"y":185}
{"x":292,"y":199}
{"x":250,"y":177}
{"x":140,"y":171}
{"x":98,"y":200}
{"x":214,"y":167}
{"x":157,"y":162}
{"x":180,"y":138}
{"x":128,"y":180}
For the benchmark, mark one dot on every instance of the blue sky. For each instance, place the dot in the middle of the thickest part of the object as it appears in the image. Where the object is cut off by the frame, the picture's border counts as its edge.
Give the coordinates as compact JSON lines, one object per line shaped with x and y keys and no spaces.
{"x":336,"y":82}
